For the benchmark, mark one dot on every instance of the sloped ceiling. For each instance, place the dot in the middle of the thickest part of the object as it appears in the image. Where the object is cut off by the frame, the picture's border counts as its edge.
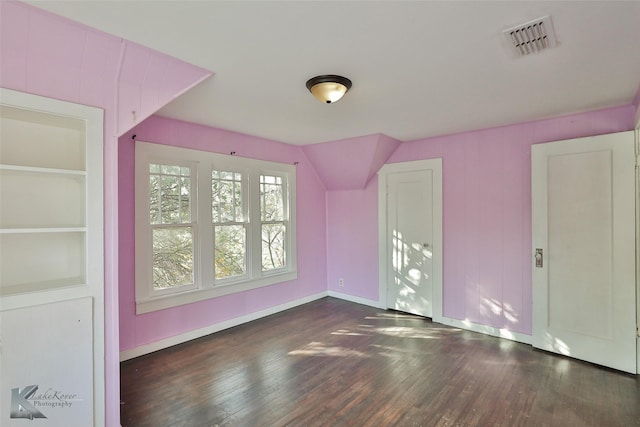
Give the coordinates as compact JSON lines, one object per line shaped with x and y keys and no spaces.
{"x":349,"y":164}
{"x":149,"y":80}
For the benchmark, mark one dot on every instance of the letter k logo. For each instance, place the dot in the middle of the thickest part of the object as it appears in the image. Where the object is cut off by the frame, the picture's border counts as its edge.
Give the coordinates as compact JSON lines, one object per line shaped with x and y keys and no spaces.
{"x":20,"y":407}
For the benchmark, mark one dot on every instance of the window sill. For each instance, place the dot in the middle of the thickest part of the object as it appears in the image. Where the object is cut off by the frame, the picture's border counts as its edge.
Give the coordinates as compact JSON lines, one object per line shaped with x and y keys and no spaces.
{"x":187,"y":297}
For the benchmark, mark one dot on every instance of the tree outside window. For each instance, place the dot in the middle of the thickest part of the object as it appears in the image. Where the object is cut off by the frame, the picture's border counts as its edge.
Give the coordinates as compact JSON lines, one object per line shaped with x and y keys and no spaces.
{"x":273,"y":227}
{"x":172,"y":230}
{"x":230,"y":225}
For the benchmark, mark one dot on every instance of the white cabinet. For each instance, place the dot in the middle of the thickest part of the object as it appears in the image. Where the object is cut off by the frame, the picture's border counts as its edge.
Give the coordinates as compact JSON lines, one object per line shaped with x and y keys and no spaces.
{"x":51,"y":254}
{"x":48,"y":376}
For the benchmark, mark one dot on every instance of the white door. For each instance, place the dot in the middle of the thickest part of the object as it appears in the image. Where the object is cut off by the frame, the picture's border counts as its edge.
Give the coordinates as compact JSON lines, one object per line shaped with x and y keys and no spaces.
{"x":583,"y":202}
{"x":412,"y":235}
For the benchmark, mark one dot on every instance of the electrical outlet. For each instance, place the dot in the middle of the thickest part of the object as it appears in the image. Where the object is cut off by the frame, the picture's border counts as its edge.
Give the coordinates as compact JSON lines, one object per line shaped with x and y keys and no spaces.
{"x":341,"y":282}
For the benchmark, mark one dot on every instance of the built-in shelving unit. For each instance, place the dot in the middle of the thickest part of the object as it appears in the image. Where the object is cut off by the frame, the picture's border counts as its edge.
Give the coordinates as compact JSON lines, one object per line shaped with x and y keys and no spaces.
{"x":51,"y":253}
{"x":45,"y":218}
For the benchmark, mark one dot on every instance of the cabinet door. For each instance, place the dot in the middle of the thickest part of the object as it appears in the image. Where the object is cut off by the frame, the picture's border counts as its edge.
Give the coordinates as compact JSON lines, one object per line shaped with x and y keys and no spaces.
{"x":47,"y":364}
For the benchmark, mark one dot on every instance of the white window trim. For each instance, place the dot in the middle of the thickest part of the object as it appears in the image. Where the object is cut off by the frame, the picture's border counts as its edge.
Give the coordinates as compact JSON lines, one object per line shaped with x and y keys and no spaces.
{"x":147,"y":300}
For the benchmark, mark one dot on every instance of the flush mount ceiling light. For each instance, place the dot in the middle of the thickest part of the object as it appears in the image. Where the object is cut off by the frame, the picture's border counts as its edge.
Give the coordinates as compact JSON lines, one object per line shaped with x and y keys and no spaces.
{"x":328,"y":88}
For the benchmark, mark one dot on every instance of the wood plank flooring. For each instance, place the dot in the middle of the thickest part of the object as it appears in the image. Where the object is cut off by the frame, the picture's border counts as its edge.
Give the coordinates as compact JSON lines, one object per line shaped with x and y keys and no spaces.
{"x":336,"y":363}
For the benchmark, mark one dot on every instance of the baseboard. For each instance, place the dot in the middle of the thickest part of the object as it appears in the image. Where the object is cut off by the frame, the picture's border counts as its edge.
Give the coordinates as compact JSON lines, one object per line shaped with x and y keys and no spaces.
{"x":484,"y":329}
{"x":462,"y":324}
{"x":357,"y":300}
{"x":198,"y":333}
{"x":207,"y":330}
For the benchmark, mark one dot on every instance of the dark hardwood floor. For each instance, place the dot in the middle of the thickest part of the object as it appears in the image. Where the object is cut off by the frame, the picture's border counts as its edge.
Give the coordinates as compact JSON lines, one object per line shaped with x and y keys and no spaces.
{"x":335,"y":363}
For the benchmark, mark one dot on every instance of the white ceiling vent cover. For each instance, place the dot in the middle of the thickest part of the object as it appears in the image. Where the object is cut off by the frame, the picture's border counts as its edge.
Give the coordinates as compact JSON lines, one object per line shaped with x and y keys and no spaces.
{"x":531,"y":37}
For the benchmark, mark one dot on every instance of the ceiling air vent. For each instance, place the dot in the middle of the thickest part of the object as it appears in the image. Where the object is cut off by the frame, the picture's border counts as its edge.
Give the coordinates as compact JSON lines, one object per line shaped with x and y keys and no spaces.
{"x":531,"y":37}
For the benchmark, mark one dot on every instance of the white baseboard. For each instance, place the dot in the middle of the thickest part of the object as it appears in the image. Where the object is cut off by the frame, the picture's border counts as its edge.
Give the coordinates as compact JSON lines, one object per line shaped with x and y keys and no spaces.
{"x":198,"y":333}
{"x":207,"y":330}
{"x":357,"y":300}
{"x":484,"y":329}
{"x":462,"y":324}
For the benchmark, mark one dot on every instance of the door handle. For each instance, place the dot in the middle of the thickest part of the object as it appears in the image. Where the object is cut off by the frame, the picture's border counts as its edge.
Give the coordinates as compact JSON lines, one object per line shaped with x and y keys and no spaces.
{"x":538,"y":257}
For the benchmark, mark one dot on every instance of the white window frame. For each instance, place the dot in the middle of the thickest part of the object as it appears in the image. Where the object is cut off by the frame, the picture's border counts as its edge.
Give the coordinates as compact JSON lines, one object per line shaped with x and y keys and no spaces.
{"x":248,"y":229}
{"x":206,"y":286}
{"x":193,"y":200}
{"x":260,"y":222}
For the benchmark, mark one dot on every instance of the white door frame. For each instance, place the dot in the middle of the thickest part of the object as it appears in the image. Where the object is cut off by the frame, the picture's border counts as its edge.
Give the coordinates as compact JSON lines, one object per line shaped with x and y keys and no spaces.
{"x":384,"y":254}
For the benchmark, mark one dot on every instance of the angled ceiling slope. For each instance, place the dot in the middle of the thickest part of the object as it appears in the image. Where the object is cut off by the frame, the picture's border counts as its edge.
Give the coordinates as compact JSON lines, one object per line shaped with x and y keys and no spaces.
{"x":53,"y":56}
{"x":148,"y":80}
{"x":349,"y":164}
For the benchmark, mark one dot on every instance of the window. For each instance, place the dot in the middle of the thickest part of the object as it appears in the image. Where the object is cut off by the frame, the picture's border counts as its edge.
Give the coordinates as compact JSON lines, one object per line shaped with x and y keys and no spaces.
{"x":209,"y":225}
{"x":273,"y":229}
{"x":172,"y":229}
{"x":230,"y":224}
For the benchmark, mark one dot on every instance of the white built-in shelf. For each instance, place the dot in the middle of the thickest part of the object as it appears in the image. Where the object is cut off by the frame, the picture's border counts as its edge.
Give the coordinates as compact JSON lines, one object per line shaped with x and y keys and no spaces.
{"x":42,"y":230}
{"x":46,"y":285}
{"x":50,"y":170}
{"x":16,"y":169}
{"x":51,"y":252}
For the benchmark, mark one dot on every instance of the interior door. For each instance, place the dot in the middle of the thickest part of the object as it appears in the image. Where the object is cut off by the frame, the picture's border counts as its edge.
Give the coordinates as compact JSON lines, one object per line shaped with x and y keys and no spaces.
{"x":583,"y":202}
{"x":410,"y":230}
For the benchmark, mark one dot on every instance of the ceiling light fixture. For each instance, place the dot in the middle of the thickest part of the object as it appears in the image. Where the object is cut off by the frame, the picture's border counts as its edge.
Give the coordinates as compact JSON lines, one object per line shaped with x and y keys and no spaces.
{"x":328,"y":88}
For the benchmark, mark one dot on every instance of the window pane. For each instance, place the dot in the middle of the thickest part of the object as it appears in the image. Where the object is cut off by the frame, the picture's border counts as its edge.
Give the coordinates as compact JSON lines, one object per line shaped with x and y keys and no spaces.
{"x":271,"y":198}
{"x":230,"y":249}
{"x":273,"y":250}
{"x":169,"y":195}
{"x":226,"y":191}
{"x":169,"y":192}
{"x":154,"y":199}
{"x":226,"y":201}
{"x":170,"y":170}
{"x":185,"y":205}
{"x":172,"y":257}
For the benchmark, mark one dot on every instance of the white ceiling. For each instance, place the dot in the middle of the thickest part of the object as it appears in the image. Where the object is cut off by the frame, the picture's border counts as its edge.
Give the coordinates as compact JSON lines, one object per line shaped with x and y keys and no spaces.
{"x":419,"y":68}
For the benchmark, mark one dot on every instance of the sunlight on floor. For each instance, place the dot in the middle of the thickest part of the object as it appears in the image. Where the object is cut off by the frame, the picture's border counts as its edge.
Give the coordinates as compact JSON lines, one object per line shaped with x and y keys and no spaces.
{"x":349,"y":333}
{"x":320,"y":349}
{"x":408,"y":332}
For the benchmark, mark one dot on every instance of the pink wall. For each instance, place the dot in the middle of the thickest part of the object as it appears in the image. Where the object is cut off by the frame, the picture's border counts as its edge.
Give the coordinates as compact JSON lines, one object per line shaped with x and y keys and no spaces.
{"x":48,"y":55}
{"x":311,"y":219}
{"x":486,"y":217}
{"x":352,"y":241}
{"x":43,"y":54}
